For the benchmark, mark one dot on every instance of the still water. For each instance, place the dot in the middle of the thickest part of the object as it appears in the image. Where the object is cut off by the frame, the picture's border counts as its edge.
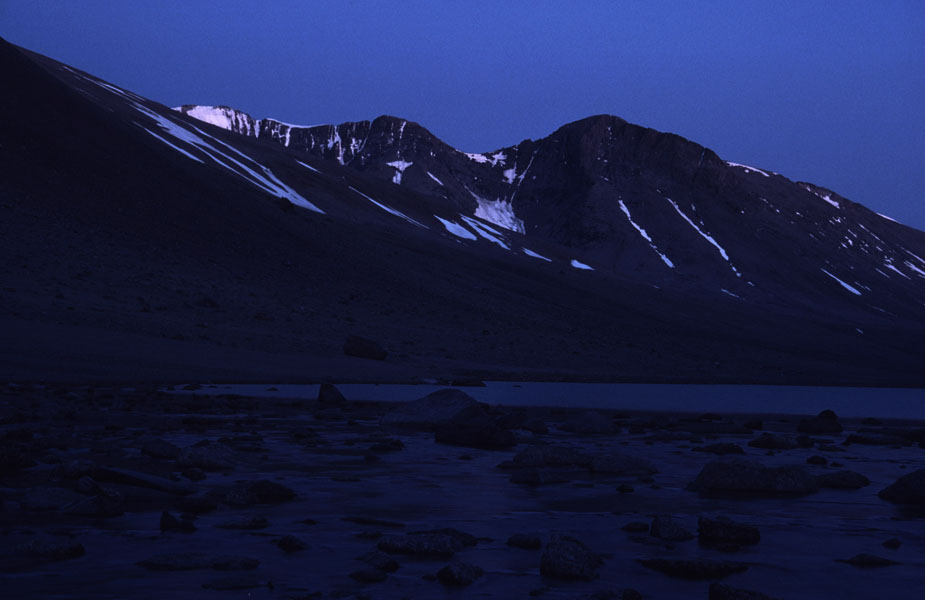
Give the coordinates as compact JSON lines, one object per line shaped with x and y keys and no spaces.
{"x":846,"y":401}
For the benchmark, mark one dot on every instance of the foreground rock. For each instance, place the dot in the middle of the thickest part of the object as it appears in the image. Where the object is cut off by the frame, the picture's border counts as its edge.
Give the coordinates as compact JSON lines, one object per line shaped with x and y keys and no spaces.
{"x":329,"y":395}
{"x":726,"y":534}
{"x":567,"y":558}
{"x":622,"y":464}
{"x":721,"y":449}
{"x":665,"y":528}
{"x":431,"y":411}
{"x":52,"y":550}
{"x":843,"y":480}
{"x":752,"y":478}
{"x":866,"y":561}
{"x":188,"y":561}
{"x":908,"y":489}
{"x":440,"y":542}
{"x":473,"y":427}
{"x":769,"y":441}
{"x":825,"y":423}
{"x":719,"y":591}
{"x":694,"y":568}
{"x":459,"y":574}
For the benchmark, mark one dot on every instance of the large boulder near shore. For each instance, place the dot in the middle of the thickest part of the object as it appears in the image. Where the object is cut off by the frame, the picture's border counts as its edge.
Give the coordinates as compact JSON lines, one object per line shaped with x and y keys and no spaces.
{"x":726,"y":534}
{"x":438,"y":542}
{"x":666,"y":528}
{"x":825,"y":423}
{"x":843,"y":480}
{"x":741,"y":476}
{"x":567,"y":558}
{"x":431,"y":411}
{"x":473,"y":427}
{"x":770,"y":441}
{"x":622,"y":464}
{"x":908,"y":489}
{"x":329,"y":395}
{"x":459,"y":574}
{"x":718,"y":591}
{"x":362,"y":347}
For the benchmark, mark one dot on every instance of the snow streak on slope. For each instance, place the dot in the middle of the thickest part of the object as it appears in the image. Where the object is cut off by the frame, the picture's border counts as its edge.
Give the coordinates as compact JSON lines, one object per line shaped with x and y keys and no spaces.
{"x":485,"y":232}
{"x":581,"y":265}
{"x":456,"y":229}
{"x":850,"y":288}
{"x":705,"y":236}
{"x":431,"y":175}
{"x":266,"y":181}
{"x":389,"y":209}
{"x":530,"y":252}
{"x":645,"y":235}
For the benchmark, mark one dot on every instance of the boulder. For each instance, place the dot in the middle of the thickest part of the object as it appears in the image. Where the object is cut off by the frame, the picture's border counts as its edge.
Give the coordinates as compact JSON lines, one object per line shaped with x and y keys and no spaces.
{"x":551,"y":456}
{"x":721,"y":449}
{"x":666,"y":528}
{"x":188,"y":561}
{"x":171,"y":523}
{"x":329,"y":395}
{"x":589,"y":423}
{"x":53,"y":550}
{"x":908,"y":489}
{"x":368,"y":575}
{"x":380,"y":560}
{"x":431,"y":411}
{"x":621,"y":464}
{"x":825,"y":423}
{"x":473,"y":427}
{"x":866,"y":561}
{"x":48,"y":498}
{"x":160,"y":449}
{"x":694,"y":568}
{"x":290,"y":544}
{"x":459,"y":574}
{"x":362,"y":347}
{"x":541,"y":476}
{"x":726,"y":534}
{"x":770,"y":441}
{"x":567,"y":558}
{"x":139,"y":479}
{"x":208,"y":457}
{"x":843,"y":480}
{"x":525,"y":541}
{"x":747,"y":477}
{"x":440,"y":542}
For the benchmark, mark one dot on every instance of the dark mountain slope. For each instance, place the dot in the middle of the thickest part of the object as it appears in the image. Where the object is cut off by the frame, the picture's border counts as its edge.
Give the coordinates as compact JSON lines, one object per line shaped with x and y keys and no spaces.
{"x":131,"y":252}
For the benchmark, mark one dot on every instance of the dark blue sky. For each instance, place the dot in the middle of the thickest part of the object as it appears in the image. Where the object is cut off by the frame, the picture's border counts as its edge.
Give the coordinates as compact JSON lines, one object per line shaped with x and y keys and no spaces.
{"x":829,"y":92}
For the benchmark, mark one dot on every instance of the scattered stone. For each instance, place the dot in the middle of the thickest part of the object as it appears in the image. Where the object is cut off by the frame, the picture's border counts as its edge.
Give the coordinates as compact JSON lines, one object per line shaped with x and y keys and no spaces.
{"x":625,"y":488}
{"x":719,"y":591}
{"x":726,"y":534}
{"x":188,"y":561}
{"x":770,"y":441}
{"x":373,"y":522}
{"x":636,"y":527}
{"x":694,"y":568}
{"x":48,"y":498}
{"x":193,"y":474}
{"x":567,"y":558}
{"x":473,"y":427}
{"x":426,"y":413}
{"x":843,"y":480}
{"x":196,"y":504}
{"x":53,"y":550}
{"x":459,"y":574}
{"x":361,"y":347}
{"x":721,"y":449}
{"x":525,"y":541}
{"x":665,"y":528}
{"x":329,"y":395}
{"x":270,"y":492}
{"x":752,"y":478}
{"x":171,"y":523}
{"x":380,"y":560}
{"x":143,"y":480}
{"x":621,"y":464}
{"x":368,"y":575}
{"x":867,"y":561}
{"x":250,"y":523}
{"x":754,"y":424}
{"x":876,"y":439}
{"x":212,"y":456}
{"x":387,"y":445}
{"x":441,"y":542}
{"x":160,"y":449}
{"x":551,"y":456}
{"x":536,"y":476}
{"x":892,"y":543}
{"x":589,"y":423}
{"x":235,"y":582}
{"x":290,"y":544}
{"x":830,"y":448}
{"x":817,"y":460}
{"x":825,"y":423}
{"x":908,"y":489}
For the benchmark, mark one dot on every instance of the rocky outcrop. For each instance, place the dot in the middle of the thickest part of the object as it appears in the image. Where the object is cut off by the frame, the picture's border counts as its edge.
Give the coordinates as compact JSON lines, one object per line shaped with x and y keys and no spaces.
{"x":752,"y":478}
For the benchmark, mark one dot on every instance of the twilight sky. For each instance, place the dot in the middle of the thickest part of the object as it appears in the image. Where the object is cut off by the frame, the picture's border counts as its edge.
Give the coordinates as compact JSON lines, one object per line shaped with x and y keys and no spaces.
{"x":828,"y":92}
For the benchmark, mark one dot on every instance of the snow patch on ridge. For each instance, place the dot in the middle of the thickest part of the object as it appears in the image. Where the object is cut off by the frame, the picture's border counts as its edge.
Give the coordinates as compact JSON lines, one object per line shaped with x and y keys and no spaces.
{"x":580,"y":265}
{"x":399,"y":166}
{"x":747,"y":168}
{"x":499,"y":212}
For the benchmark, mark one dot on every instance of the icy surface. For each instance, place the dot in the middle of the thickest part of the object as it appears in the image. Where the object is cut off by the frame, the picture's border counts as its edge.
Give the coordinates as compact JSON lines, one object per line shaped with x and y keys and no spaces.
{"x":530,"y":252}
{"x":850,"y":288}
{"x":389,"y":209}
{"x":399,"y":166}
{"x":581,"y":265}
{"x":827,"y":198}
{"x":499,"y":212}
{"x":479,"y":158}
{"x":264,"y":180}
{"x":456,"y":229}
{"x":747,"y":168}
{"x":645,"y":235}
{"x":224,"y":117}
{"x":486,"y":232}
